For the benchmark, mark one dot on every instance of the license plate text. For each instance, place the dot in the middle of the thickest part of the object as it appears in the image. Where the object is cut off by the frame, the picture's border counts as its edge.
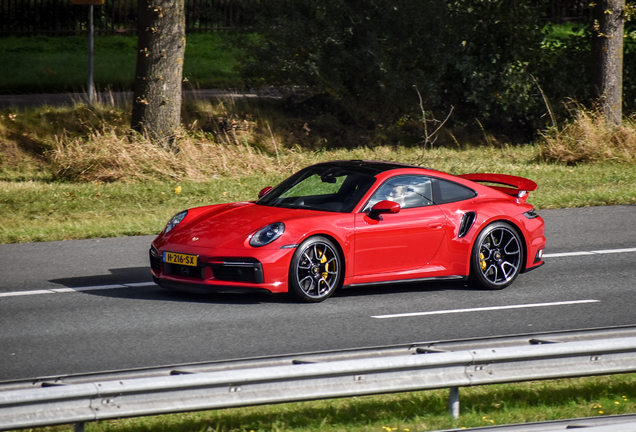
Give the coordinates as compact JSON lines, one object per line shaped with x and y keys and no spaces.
{"x":182,"y":259}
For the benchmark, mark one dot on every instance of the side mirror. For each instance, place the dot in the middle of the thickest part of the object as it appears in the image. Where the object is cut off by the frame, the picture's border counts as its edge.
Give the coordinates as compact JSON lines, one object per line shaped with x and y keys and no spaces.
{"x":265,"y":191}
{"x":385,"y":207}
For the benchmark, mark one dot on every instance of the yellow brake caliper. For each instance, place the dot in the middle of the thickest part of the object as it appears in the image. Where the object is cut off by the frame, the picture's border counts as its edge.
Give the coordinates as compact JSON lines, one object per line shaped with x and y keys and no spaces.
{"x":323,"y":259}
{"x":482,"y":262}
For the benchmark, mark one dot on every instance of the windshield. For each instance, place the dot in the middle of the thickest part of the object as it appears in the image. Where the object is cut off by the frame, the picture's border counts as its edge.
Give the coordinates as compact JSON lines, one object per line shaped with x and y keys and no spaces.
{"x":321,"y":187}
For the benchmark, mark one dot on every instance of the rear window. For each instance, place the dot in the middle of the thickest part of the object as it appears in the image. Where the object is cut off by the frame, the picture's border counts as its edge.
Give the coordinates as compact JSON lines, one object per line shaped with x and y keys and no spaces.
{"x":445,"y":191}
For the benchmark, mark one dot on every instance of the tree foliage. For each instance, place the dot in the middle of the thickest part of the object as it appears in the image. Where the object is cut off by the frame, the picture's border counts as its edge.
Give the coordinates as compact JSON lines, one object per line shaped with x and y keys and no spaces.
{"x":500,"y":51}
{"x":360,"y":57}
{"x":501,"y":62}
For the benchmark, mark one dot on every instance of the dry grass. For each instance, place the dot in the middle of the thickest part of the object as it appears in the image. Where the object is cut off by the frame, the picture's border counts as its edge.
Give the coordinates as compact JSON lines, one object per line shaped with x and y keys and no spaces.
{"x":217,"y":140}
{"x":589,"y":138}
{"x":106,"y":156}
{"x":234,"y":137}
{"x":108,"y":152}
{"x":61,"y":179}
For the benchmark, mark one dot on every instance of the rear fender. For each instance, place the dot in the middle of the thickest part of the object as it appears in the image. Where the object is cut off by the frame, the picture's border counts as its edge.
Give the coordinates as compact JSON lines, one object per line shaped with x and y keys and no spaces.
{"x":513,"y":224}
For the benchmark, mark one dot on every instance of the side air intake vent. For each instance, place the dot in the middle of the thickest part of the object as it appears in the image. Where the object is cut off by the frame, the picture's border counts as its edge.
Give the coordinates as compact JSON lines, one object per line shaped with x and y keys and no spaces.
{"x":467,"y":223}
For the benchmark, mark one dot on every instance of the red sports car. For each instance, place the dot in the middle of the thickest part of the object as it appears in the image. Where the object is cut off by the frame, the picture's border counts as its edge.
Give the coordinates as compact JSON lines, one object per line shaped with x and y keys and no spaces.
{"x":352,"y":223}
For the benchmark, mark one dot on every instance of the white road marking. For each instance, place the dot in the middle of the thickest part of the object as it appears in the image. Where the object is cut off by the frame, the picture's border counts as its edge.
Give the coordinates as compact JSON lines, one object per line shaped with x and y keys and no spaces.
{"x":596,"y":252}
{"x":482,"y":309}
{"x":145,"y":284}
{"x":23,"y":293}
{"x":78,"y":289}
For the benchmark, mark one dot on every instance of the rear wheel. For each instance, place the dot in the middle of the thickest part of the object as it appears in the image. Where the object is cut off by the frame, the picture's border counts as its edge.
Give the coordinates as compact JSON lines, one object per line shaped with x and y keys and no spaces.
{"x":497,"y":257}
{"x":316,"y":270}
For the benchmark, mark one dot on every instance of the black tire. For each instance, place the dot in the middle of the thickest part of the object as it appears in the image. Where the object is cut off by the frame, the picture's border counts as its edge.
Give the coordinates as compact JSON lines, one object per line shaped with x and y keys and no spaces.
{"x":316,"y":270}
{"x":497,"y":257}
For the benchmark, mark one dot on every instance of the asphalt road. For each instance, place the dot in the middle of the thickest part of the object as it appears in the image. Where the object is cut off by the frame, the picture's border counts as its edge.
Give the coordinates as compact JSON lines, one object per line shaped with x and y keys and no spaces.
{"x":88,"y":306}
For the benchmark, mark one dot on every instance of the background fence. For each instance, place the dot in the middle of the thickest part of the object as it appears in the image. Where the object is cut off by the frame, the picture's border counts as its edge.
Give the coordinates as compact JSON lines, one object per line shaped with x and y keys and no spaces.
{"x":61,"y":17}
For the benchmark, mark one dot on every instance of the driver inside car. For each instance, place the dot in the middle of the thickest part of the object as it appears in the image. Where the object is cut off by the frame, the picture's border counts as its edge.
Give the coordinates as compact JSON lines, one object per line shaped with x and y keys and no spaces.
{"x":389,"y":192}
{"x":397,"y":194}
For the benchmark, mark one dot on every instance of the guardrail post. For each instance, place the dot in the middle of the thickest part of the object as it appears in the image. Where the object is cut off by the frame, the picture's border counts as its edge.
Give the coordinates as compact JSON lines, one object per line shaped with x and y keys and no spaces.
{"x":453,"y":402}
{"x":79,"y":427}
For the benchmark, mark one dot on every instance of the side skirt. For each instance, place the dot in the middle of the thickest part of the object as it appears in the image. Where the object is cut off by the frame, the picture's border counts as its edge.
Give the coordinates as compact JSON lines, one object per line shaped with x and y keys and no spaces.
{"x":403,"y":281}
{"x":526,"y":270}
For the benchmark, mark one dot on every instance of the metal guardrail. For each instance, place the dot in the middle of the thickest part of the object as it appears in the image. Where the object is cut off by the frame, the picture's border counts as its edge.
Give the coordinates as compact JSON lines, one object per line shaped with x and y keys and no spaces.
{"x":316,"y":376}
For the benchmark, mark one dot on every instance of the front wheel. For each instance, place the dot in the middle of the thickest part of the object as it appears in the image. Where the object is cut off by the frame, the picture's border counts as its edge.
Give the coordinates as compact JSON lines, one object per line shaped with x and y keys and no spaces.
{"x":316,"y":270}
{"x":497,"y":257}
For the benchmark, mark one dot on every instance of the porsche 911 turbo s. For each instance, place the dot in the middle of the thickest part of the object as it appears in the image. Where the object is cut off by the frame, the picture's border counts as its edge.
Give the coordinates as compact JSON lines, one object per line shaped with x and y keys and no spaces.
{"x":355,"y":223}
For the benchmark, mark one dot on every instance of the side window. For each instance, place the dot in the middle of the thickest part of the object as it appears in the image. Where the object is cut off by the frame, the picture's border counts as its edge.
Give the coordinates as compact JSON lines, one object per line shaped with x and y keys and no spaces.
{"x":445,"y":191}
{"x":409,"y":191}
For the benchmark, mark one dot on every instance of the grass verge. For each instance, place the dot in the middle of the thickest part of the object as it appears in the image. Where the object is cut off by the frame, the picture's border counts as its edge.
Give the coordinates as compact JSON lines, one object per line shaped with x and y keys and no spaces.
{"x":73,"y":173}
{"x":41,"y":210}
{"x":406,"y":412}
{"x":44,"y":210}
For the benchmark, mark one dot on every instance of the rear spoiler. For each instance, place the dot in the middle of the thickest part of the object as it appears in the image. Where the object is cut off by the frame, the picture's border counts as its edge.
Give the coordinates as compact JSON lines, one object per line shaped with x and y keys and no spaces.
{"x":517,"y":187}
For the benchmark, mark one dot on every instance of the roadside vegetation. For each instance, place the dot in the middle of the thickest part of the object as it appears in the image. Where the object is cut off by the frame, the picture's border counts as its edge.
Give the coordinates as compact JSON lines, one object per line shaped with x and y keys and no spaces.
{"x":405,"y":412}
{"x":77,"y":172}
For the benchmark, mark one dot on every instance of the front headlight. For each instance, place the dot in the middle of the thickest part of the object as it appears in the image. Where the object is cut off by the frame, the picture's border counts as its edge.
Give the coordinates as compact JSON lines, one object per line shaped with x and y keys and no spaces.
{"x":175,"y":221}
{"x":267,"y":235}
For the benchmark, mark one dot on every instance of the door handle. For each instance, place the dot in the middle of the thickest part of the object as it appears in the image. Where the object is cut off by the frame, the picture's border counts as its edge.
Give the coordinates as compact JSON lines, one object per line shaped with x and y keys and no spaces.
{"x":435,"y":225}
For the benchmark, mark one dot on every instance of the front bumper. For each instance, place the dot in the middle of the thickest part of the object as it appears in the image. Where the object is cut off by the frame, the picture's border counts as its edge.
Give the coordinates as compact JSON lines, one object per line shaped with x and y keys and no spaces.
{"x":225,"y":271}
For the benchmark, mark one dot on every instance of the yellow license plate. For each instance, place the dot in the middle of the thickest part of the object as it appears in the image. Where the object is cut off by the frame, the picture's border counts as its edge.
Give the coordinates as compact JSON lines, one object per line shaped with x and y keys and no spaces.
{"x":181,"y":259}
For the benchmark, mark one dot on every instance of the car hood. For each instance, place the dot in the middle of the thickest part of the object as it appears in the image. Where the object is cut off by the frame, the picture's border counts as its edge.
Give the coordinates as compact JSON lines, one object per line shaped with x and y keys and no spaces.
{"x":227,"y":225}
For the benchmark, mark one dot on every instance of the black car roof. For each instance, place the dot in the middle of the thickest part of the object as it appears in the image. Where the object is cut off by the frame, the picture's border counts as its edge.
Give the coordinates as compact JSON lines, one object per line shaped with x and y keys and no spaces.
{"x":367,"y":167}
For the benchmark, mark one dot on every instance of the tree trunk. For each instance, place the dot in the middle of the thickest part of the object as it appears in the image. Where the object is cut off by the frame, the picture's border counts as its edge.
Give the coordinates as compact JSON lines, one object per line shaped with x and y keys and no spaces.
{"x":161,"y":46}
{"x":607,"y":57}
